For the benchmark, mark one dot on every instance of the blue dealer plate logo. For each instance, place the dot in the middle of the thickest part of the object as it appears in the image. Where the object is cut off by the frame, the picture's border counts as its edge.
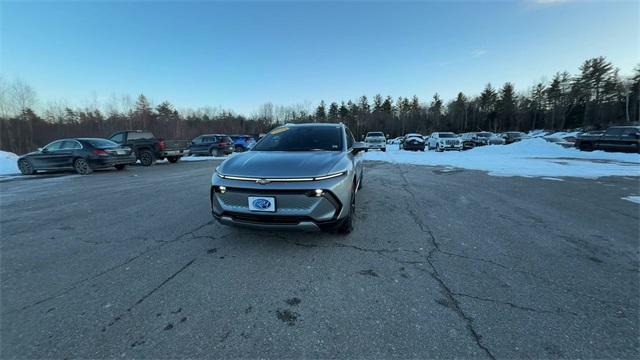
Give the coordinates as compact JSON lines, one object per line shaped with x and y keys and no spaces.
{"x":261,"y":204}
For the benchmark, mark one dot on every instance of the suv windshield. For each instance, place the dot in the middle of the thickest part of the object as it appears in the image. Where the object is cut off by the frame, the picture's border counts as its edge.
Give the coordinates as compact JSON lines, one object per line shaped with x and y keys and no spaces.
{"x":375,"y":134}
{"x":446,"y":135}
{"x":302,"y":138}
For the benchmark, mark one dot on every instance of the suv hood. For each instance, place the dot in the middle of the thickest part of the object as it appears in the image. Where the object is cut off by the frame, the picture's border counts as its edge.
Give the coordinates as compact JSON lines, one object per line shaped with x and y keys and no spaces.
{"x":281,"y":164}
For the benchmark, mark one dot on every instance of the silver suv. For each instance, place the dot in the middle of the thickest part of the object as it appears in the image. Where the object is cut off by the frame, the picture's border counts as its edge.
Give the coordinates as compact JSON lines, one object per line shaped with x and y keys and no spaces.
{"x":376,"y":140}
{"x":302,"y":176}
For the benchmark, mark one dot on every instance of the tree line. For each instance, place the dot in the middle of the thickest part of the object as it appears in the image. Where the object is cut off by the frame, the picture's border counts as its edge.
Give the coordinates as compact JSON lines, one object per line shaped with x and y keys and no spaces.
{"x":594,"y":98}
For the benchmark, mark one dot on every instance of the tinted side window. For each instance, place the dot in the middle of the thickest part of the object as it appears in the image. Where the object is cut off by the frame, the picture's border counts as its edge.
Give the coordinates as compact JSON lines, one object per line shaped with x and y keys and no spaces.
{"x":630,"y":133}
{"x":118,"y":138}
{"x":56,"y":145}
{"x":70,"y":145}
{"x":140,"y":135}
{"x":350,"y":139}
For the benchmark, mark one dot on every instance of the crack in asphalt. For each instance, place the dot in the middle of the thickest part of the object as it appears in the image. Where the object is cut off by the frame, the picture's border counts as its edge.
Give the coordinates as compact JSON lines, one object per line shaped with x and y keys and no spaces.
{"x":477,"y":338}
{"x":79,"y":283}
{"x":541,"y":278}
{"x":516,"y":306}
{"x":148,"y":294}
{"x":144,"y":297}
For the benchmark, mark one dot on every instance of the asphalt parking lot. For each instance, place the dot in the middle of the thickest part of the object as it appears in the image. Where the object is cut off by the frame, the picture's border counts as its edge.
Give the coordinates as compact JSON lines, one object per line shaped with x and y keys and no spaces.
{"x":442,"y":263}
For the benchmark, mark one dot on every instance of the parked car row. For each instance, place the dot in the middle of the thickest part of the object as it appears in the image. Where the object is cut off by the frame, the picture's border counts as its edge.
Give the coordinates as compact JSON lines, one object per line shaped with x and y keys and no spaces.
{"x":615,"y":138}
{"x":125,"y":148}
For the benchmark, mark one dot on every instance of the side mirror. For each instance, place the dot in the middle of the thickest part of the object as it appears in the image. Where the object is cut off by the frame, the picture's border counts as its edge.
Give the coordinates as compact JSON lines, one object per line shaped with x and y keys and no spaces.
{"x":358,"y":147}
{"x":42,"y":150}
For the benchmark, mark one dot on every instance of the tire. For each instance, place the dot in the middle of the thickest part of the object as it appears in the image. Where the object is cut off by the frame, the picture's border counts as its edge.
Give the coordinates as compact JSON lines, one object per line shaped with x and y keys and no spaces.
{"x":361,"y":180}
{"x":384,"y":149}
{"x":586,"y":146}
{"x":173,"y":159}
{"x":346,"y":226}
{"x":25,"y":166}
{"x":238,"y":149}
{"x":215,"y":152}
{"x":146,"y":158}
{"x":120,"y":167}
{"x":82,"y":167}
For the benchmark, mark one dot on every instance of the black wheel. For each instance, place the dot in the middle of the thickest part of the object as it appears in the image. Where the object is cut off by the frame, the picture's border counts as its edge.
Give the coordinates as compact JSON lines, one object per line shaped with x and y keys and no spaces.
{"x":347,"y":223}
{"x":238,"y":149}
{"x":173,"y":159}
{"x":82,"y":167}
{"x":25,"y":167}
{"x":146,"y":158}
{"x":384,"y":149}
{"x":120,"y":166}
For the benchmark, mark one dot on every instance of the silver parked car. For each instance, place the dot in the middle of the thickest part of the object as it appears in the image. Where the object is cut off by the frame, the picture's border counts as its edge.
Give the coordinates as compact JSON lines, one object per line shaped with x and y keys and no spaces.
{"x":302,"y":176}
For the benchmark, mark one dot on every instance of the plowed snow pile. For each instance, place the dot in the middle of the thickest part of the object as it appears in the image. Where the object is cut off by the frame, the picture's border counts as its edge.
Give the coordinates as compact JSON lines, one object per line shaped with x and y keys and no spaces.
{"x":8,"y":163}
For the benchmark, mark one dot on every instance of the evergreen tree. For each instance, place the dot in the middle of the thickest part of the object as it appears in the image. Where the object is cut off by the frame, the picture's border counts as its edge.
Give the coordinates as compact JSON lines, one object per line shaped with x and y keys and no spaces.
{"x":334,"y":114}
{"x":387,"y":105}
{"x":435,"y":112}
{"x":344,"y":113}
{"x":377,"y":102}
{"x":321,"y":114}
{"x":506,"y":108}
{"x":487,"y":107}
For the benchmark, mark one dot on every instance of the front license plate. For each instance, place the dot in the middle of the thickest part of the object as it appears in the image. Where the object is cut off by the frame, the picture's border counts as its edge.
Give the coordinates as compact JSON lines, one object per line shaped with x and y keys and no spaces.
{"x":262,"y":203}
{"x":121,"y":152}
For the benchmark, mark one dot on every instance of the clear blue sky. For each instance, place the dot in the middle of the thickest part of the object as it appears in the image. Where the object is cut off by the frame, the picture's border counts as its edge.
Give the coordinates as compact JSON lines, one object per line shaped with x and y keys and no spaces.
{"x":240,"y":55}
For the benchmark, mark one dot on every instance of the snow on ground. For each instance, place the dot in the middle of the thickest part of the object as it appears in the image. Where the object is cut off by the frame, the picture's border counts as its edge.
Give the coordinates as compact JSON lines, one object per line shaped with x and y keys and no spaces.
{"x":8,"y":163}
{"x":635,"y":199}
{"x":531,"y":157}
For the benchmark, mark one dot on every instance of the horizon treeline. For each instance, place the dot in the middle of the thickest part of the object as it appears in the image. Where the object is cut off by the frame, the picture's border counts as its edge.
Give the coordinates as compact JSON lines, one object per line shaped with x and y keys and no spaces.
{"x":594,"y":98}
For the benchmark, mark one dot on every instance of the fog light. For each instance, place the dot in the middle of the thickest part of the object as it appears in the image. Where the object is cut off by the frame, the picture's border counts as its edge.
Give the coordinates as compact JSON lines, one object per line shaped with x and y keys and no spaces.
{"x":222,"y":189}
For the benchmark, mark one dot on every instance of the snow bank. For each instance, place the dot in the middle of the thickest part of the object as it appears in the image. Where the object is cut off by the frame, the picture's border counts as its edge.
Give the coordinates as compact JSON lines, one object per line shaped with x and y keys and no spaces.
{"x":530,"y":157}
{"x":635,"y":199}
{"x":8,"y":163}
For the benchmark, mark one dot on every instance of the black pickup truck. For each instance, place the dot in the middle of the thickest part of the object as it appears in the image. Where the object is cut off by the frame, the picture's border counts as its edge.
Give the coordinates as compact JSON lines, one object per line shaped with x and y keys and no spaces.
{"x":616,"y":138}
{"x":148,"y":148}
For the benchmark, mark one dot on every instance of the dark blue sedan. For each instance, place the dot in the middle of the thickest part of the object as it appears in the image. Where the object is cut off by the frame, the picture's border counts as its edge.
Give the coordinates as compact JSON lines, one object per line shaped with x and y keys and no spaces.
{"x":80,"y":154}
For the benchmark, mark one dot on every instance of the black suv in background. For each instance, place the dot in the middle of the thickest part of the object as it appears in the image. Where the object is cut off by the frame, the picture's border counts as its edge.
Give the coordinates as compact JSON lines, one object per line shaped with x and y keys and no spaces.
{"x":148,"y":148}
{"x":212,"y":144}
{"x":616,"y":138}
